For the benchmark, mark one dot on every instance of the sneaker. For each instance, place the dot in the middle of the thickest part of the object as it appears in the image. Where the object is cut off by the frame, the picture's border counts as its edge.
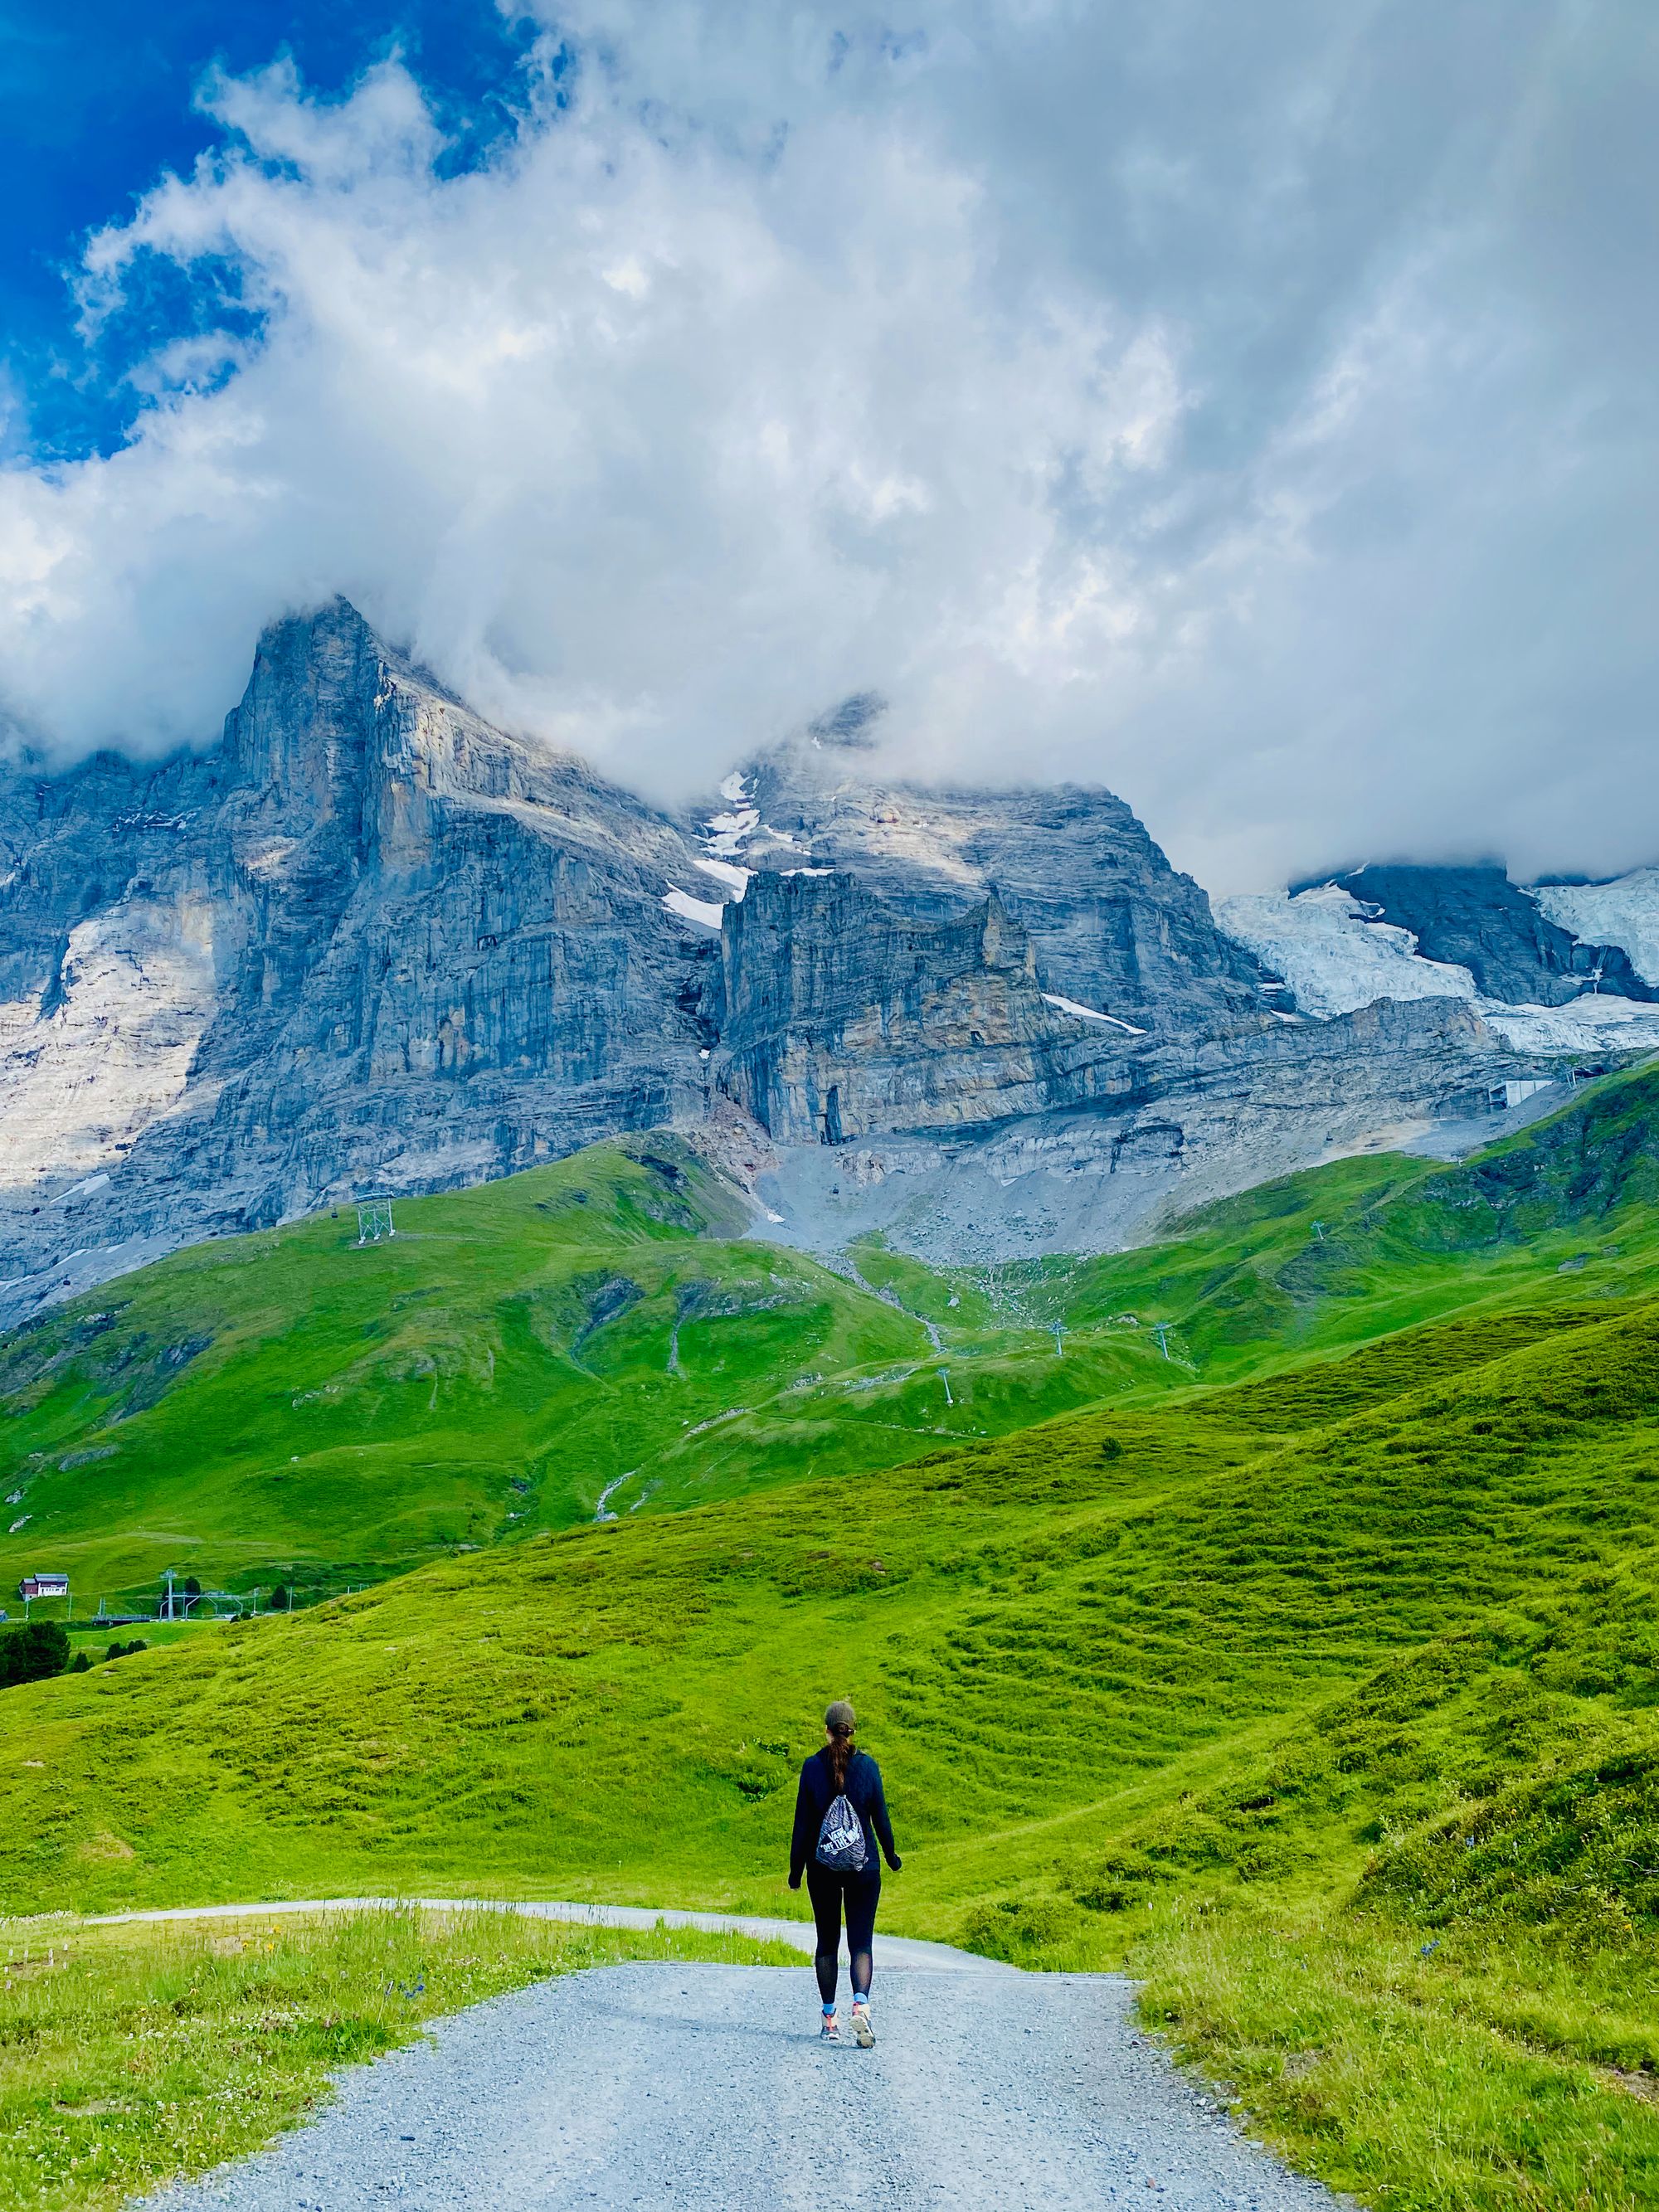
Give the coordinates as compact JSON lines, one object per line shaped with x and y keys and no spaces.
{"x":861,"y":2027}
{"x":830,"y":2031}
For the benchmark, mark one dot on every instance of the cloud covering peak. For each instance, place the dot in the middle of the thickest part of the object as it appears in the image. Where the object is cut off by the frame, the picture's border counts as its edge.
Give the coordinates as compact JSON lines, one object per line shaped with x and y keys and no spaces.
{"x":1247,"y":409}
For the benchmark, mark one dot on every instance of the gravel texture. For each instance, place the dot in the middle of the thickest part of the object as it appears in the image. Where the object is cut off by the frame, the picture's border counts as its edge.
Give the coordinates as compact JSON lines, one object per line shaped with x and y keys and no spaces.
{"x":659,"y":2084}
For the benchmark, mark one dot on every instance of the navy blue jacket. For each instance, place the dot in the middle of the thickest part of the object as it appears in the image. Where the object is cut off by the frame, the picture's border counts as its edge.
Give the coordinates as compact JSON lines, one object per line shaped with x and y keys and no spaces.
{"x":817,"y":1795}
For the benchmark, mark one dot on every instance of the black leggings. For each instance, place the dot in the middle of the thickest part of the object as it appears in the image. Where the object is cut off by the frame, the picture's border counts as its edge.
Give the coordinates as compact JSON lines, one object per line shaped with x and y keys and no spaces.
{"x":861,"y":1894}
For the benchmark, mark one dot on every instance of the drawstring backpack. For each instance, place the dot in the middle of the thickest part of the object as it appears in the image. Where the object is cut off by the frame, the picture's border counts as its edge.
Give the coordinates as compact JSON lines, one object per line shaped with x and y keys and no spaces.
{"x":841,"y":1838}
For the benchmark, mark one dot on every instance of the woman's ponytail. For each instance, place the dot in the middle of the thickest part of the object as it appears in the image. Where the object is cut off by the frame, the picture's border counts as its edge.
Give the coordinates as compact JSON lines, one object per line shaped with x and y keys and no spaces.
{"x":841,"y":1756}
{"x":839,"y":1723}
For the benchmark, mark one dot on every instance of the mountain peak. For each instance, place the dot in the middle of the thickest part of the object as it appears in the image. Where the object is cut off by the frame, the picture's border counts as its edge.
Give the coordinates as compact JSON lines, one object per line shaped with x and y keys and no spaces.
{"x":850,"y":726}
{"x":304,"y":714}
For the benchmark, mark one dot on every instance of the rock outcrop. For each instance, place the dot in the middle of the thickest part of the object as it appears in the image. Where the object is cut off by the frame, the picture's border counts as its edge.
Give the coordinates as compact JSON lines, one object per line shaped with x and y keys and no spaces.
{"x":845,"y":1017}
{"x":1166,"y":1131}
{"x":1111,"y":925}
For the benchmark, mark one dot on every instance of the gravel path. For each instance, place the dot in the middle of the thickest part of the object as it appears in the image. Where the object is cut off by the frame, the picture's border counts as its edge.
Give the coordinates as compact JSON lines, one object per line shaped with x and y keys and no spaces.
{"x":661,"y":2085}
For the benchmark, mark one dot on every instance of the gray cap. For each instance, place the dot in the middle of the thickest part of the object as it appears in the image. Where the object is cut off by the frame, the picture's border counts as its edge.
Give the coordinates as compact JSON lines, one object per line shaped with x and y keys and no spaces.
{"x":841,"y":1715}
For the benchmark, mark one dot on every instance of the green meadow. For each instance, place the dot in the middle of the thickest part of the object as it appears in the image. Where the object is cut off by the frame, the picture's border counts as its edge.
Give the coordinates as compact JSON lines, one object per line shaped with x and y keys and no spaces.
{"x":289,"y":1408}
{"x":1102,"y":1611}
{"x":1312,"y":1676}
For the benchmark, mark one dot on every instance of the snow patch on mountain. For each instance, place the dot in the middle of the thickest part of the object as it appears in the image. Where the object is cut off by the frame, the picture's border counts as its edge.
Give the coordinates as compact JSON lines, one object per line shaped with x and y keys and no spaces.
{"x":1089,"y":1013}
{"x":705,"y":912}
{"x":1625,"y":913}
{"x":739,"y":831}
{"x":733,"y":879}
{"x":728,"y":834}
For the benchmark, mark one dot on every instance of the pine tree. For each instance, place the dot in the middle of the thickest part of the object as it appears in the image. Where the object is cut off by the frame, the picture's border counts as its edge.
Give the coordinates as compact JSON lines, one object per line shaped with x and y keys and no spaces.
{"x":31,"y":1653}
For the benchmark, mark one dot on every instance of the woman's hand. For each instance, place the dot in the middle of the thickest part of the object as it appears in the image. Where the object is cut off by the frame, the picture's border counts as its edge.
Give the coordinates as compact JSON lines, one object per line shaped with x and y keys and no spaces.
{"x":895,"y":1864}
{"x":794,"y":1881}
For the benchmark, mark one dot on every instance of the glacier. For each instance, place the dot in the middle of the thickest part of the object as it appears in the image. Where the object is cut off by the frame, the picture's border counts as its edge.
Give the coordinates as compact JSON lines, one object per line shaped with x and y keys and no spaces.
{"x":1625,"y":913}
{"x":1336,"y":956}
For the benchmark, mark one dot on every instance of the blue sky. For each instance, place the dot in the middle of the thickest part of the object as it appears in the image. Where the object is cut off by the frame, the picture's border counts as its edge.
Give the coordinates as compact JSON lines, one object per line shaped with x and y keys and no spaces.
{"x":1251,"y":408}
{"x":98,"y":98}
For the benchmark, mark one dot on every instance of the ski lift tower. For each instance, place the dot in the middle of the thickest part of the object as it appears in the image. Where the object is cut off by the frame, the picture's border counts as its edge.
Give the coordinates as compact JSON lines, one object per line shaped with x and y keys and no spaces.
{"x":374,"y":1220}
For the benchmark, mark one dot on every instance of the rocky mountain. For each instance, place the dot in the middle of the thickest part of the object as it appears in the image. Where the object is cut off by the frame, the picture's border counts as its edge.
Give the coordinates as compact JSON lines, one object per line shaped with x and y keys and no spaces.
{"x":1110,"y":924}
{"x":365,"y":937}
{"x":366,"y":941}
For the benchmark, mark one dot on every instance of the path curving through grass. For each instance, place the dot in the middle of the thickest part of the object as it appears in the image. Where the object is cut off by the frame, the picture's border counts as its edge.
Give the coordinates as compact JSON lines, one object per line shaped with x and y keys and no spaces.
{"x":907,"y":1951}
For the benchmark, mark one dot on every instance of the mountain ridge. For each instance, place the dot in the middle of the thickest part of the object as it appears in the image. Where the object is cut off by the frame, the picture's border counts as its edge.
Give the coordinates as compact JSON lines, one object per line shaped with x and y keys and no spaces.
{"x":369,"y":941}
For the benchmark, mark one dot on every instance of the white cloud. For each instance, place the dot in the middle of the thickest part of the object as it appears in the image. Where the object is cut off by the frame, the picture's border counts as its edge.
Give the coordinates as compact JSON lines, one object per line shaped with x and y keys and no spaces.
{"x":1208,"y":406}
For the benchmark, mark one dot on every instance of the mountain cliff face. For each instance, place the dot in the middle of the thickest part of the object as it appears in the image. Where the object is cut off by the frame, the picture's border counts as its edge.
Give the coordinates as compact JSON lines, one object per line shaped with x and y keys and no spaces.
{"x":368,"y":941}
{"x":1110,"y":924}
{"x":366,"y":935}
{"x":847,"y":1018}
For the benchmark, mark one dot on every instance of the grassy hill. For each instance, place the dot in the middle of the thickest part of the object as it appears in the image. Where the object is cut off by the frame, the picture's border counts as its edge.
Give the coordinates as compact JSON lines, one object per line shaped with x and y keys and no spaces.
{"x":1042,"y":1626}
{"x":289,"y":1408}
{"x":1348,"y":1253}
{"x":1264,"y":1689}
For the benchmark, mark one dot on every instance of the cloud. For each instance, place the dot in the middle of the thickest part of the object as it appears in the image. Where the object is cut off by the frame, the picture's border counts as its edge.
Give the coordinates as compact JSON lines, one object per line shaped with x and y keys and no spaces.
{"x":1250,"y":408}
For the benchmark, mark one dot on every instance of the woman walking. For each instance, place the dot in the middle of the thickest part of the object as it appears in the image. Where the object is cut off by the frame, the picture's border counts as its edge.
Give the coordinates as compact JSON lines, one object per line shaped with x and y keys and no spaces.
{"x":840,"y":1813}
